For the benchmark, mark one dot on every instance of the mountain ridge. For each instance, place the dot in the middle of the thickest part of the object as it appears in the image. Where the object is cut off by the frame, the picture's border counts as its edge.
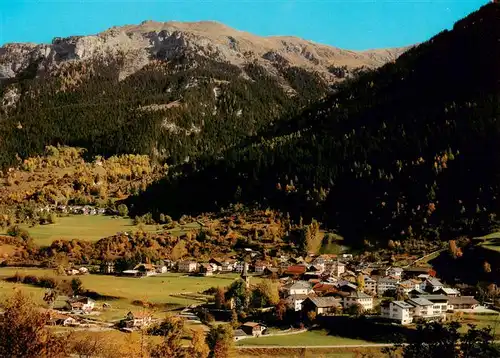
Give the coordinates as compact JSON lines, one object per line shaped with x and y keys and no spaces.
{"x":165,"y":40}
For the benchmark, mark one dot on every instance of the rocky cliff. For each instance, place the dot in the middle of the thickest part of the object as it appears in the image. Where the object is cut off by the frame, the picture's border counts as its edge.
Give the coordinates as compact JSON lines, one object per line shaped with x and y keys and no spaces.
{"x":137,"y":45}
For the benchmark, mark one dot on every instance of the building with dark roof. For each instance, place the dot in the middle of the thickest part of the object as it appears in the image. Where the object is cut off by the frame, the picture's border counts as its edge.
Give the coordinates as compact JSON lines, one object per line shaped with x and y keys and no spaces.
{"x":321,"y":305}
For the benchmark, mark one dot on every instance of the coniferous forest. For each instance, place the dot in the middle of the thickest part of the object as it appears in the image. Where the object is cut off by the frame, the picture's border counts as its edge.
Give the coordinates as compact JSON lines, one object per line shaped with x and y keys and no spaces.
{"x":408,"y":150}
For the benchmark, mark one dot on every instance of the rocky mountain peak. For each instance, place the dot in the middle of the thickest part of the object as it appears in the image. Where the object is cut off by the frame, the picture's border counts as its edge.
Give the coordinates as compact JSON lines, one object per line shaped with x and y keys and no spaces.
{"x":150,"y":40}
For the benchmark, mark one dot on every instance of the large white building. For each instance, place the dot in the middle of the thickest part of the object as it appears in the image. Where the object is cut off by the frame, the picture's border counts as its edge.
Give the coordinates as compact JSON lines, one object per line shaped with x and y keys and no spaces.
{"x":399,"y":311}
{"x":385,"y":284}
{"x":425,"y":307}
{"x":300,"y":288}
{"x":360,"y":298}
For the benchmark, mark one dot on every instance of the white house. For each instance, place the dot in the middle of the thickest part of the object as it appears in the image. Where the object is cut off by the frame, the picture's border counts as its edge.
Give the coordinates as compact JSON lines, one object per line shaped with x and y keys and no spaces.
{"x":80,"y":303}
{"x":439,"y":304}
{"x":422,"y":307}
{"x":187,"y":266}
{"x":399,"y":311}
{"x":260,"y":266}
{"x":300,"y":288}
{"x":240,"y":265}
{"x":409,"y":285}
{"x":295,"y":301}
{"x":386,"y":283}
{"x":448,"y":291}
{"x":358,"y":297}
{"x":432,"y":284}
{"x":228,"y":266}
{"x":137,"y":319}
{"x":161,"y":268}
{"x":394,"y":272}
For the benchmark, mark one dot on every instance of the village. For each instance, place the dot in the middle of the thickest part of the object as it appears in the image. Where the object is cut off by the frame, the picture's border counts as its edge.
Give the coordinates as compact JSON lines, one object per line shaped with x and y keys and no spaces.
{"x":318,"y":286}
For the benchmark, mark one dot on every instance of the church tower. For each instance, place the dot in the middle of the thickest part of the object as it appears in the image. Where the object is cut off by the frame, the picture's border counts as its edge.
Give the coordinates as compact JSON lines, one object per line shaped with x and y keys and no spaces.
{"x":244,"y":275}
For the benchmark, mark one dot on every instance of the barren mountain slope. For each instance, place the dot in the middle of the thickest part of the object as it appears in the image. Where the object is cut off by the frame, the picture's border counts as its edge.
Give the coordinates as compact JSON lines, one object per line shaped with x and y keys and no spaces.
{"x":138,"y":44}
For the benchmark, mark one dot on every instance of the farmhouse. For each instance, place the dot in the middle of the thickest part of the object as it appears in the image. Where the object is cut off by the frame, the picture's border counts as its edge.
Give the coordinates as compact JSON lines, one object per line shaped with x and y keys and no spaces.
{"x":61,"y":320}
{"x":423,"y":308}
{"x":145,"y":269}
{"x":370,"y":284}
{"x":395,"y":272}
{"x":253,"y":328}
{"x":187,"y":266}
{"x":462,"y":303}
{"x":321,"y":305}
{"x":136,"y":319}
{"x":80,"y":303}
{"x":206,"y":269}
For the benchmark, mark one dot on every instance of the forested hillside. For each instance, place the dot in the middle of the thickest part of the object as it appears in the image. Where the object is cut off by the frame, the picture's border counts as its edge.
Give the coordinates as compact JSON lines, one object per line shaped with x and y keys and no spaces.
{"x":174,"y":91}
{"x":409,"y":150}
{"x":173,"y":110}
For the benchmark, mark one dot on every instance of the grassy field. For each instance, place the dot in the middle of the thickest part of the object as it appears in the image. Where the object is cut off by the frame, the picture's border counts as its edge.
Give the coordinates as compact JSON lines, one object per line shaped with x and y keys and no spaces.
{"x":291,"y":352}
{"x":482,"y":321}
{"x":89,"y":228}
{"x":492,"y":241}
{"x":310,"y":338}
{"x":155,"y":289}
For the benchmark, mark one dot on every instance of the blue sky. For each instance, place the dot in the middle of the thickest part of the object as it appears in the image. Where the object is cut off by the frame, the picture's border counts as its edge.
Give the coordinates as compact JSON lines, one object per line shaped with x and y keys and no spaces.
{"x":352,"y":24}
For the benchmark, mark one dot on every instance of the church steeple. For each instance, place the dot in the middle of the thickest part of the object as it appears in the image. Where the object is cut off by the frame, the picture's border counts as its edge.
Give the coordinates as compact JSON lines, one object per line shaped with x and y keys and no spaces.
{"x":244,"y":275}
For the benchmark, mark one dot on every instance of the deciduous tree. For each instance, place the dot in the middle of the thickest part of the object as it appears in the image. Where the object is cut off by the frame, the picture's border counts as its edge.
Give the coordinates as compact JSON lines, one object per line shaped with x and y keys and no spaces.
{"x":220,"y":341}
{"x":23,"y":331}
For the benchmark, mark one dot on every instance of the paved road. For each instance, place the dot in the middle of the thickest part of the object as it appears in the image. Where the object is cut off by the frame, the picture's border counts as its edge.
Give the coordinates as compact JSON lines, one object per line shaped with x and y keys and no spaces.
{"x":368,"y":345}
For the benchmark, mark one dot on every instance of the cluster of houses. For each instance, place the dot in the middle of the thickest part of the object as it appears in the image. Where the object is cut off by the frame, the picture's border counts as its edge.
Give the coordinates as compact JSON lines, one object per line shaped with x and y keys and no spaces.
{"x":77,"y":271}
{"x":73,"y":209}
{"x":340,"y":288}
{"x":327,"y":284}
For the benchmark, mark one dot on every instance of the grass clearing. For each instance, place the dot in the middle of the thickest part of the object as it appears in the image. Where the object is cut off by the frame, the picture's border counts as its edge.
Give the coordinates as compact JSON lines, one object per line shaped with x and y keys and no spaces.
{"x":310,"y":338}
{"x":91,"y":228}
{"x":482,"y":321}
{"x":291,"y":352}
{"x":491,"y":241}
{"x":165,"y":290}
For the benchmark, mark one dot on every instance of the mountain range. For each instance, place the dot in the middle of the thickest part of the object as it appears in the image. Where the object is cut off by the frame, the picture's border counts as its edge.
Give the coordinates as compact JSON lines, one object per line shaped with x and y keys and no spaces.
{"x":172,"y":90}
{"x":377,"y":145}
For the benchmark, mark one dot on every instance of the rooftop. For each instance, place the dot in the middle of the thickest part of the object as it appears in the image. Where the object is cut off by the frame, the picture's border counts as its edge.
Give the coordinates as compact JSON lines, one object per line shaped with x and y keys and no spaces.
{"x":322,"y":302}
{"x":434,"y":281}
{"x":420,"y":301}
{"x":463,"y":300}
{"x":251,"y":324}
{"x":359,"y":294}
{"x":450,"y":291}
{"x":301,"y":285}
{"x":402,"y":304}
{"x":436,"y":298}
